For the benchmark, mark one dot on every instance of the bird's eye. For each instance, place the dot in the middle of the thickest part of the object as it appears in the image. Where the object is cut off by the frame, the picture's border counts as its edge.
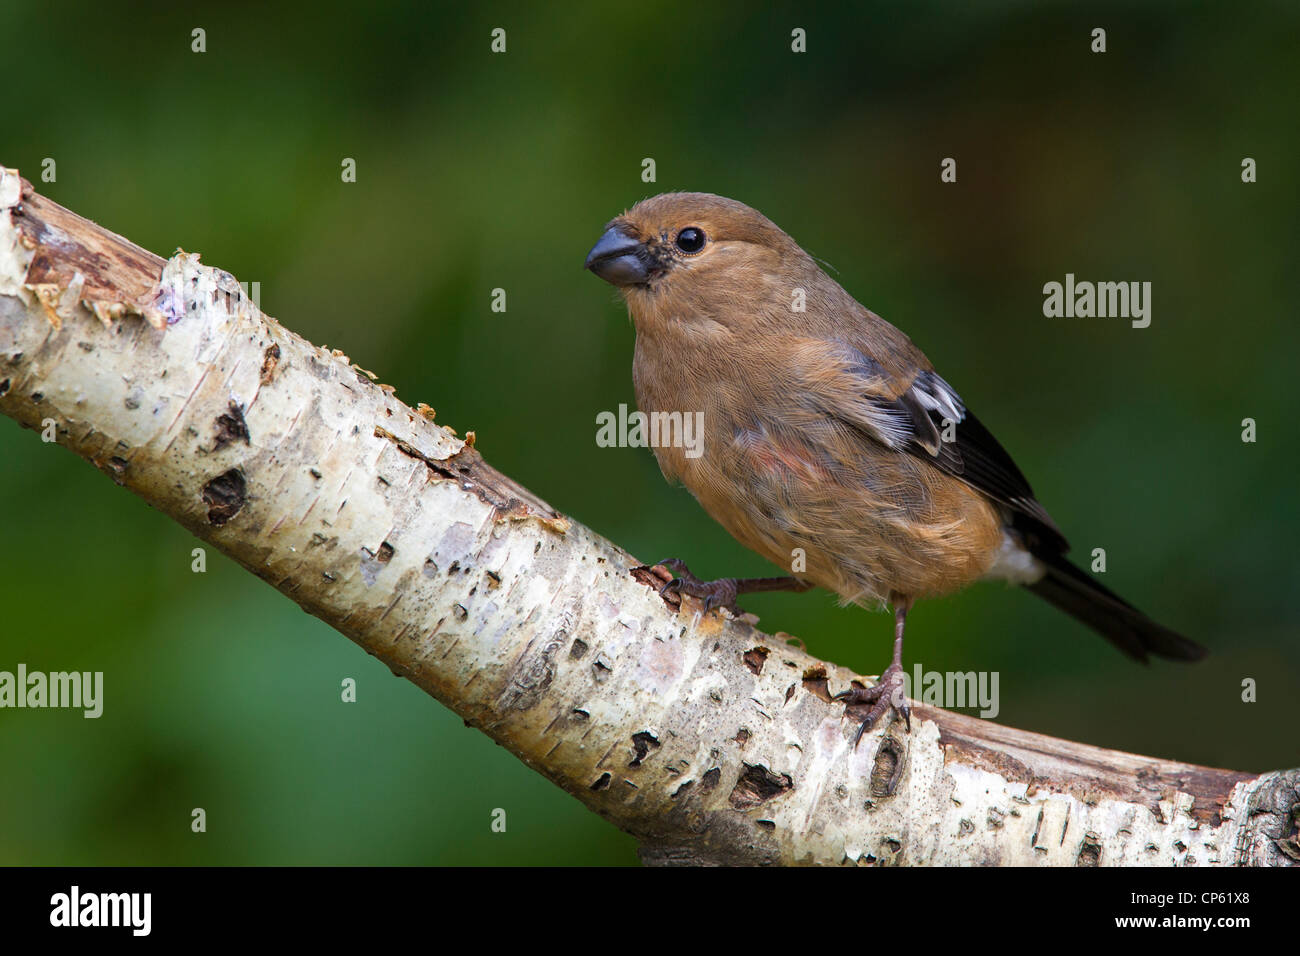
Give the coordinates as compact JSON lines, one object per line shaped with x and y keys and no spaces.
{"x":690,"y":239}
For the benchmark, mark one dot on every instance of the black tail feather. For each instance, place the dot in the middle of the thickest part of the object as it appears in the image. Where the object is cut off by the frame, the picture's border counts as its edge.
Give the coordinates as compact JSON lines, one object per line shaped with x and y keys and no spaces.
{"x":1080,"y":596}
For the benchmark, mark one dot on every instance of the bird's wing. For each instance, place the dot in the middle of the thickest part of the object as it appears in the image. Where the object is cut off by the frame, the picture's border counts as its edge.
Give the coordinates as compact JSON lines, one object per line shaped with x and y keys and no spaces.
{"x":926,"y":418}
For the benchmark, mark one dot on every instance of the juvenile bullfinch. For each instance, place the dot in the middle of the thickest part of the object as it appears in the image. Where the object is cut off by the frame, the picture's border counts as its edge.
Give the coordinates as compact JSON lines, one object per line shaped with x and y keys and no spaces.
{"x":828,"y":434}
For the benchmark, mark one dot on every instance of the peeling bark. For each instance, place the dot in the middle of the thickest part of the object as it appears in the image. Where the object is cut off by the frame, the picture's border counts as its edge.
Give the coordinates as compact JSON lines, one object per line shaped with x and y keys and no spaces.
{"x":709,"y":741}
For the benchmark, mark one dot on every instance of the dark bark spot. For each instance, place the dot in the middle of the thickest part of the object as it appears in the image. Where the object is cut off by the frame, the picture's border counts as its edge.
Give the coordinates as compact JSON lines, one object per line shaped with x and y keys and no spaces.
{"x":887,"y":770}
{"x":270,"y":359}
{"x":602,"y":783}
{"x":754,"y":658}
{"x":225,"y":496}
{"x":814,"y":682}
{"x":710,"y":779}
{"x":231,"y":427}
{"x":578,"y":649}
{"x":766,"y":824}
{"x":4,"y":387}
{"x":372,"y":562}
{"x":742,"y":737}
{"x":1090,"y":852}
{"x":758,"y":785}
{"x":117,"y":466}
{"x":643,"y":742}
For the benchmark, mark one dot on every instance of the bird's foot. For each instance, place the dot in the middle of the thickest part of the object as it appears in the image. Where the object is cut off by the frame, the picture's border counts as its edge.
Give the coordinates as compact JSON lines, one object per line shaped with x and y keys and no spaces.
{"x":719,"y":593}
{"x":673,"y":578}
{"x":886,"y":694}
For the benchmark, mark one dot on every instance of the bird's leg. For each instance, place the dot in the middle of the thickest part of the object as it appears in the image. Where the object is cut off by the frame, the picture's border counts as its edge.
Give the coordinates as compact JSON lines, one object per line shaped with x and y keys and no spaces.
{"x":724,"y":591}
{"x":887,"y":692}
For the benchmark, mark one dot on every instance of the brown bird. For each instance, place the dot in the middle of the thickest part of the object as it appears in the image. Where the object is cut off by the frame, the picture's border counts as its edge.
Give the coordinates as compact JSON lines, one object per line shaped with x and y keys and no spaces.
{"x":830,"y":444}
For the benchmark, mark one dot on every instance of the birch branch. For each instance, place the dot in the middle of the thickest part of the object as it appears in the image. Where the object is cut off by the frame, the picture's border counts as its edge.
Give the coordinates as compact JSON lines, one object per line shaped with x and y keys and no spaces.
{"x":707,"y":740}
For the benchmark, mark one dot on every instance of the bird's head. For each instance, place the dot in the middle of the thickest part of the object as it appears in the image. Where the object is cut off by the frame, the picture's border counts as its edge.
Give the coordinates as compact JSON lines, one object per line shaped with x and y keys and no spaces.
{"x":691,"y":248}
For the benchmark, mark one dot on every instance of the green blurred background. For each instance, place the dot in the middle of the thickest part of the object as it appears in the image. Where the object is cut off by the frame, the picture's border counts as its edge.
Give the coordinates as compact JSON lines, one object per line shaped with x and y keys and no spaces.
{"x":478,"y":170}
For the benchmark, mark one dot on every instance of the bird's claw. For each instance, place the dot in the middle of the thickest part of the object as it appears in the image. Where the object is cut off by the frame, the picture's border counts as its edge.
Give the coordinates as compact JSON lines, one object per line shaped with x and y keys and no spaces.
{"x":719,"y":593}
{"x":886,"y":694}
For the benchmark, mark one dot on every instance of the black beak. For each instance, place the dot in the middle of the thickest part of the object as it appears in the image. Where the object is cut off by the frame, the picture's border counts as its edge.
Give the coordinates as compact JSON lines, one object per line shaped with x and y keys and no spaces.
{"x":618,"y":258}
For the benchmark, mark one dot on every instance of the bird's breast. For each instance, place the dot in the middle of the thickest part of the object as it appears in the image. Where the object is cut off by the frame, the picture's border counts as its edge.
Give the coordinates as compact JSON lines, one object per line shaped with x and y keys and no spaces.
{"x":803,"y":488}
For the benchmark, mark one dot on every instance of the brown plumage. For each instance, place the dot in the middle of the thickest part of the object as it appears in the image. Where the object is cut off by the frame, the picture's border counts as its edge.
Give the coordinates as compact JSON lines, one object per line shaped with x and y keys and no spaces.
{"x":828,"y":433}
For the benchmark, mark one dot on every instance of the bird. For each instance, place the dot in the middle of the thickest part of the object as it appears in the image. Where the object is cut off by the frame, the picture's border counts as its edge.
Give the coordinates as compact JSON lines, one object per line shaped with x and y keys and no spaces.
{"x":830,"y":444}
